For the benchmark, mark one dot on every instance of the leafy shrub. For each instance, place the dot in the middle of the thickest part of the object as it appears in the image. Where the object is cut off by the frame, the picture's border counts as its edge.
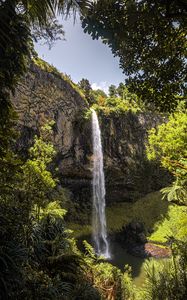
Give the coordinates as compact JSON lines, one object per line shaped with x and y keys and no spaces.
{"x":168,"y":144}
{"x":167,"y":280}
{"x":108,"y":279}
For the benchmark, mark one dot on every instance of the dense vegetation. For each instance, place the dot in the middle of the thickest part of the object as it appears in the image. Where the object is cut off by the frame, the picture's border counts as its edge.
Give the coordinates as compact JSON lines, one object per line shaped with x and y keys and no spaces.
{"x":168,"y":143}
{"x":118,"y":101}
{"x":39,"y":258}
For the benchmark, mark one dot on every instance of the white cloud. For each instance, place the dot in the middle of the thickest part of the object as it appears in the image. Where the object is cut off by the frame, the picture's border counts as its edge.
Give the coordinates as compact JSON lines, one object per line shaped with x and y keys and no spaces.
{"x":101,"y":86}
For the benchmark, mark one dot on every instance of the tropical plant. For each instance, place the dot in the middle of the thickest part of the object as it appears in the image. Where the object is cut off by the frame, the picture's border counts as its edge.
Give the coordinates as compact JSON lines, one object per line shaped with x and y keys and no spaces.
{"x":109,"y":280}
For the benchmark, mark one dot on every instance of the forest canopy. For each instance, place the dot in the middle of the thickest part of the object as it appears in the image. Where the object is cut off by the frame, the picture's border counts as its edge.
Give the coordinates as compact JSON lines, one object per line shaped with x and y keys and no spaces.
{"x":149,"y":37}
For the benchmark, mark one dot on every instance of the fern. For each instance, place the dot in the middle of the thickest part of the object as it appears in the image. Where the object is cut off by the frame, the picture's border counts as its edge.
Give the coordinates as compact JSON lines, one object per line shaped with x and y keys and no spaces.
{"x":176,"y":192}
{"x":53,"y":209}
{"x":89,"y":251}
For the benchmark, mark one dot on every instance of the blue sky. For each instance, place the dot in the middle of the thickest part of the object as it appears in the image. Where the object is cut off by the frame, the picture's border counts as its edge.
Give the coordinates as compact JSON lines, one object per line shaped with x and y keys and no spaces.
{"x":81,"y":57}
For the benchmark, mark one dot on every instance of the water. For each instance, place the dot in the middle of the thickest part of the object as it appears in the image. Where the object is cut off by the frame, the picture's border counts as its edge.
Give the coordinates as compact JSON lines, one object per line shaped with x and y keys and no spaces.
{"x":101,"y":244}
{"x":120,"y":258}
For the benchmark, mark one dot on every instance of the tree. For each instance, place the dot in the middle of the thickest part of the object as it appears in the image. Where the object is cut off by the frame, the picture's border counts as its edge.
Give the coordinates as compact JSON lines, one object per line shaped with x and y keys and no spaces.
{"x":38,"y":181}
{"x":98,"y":93}
{"x":112,"y":90}
{"x":120,"y":90}
{"x":149,"y":38}
{"x":85,"y":85}
{"x":168,"y":144}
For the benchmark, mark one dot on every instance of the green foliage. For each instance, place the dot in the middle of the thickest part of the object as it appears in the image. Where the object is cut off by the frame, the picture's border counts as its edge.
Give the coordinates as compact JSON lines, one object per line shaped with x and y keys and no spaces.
{"x":167,"y":280}
{"x":85,"y":86}
{"x":47,"y":67}
{"x":149,"y":37}
{"x":98,"y":93}
{"x":53,"y":209}
{"x":117,"y":105}
{"x":174,"y":224}
{"x":109,"y":280}
{"x":112,"y":91}
{"x":176,"y":192}
{"x":13,"y":217}
{"x":121,"y":90}
{"x":38,"y":182}
{"x":168,"y":144}
{"x":31,"y":226}
{"x":12,"y":256}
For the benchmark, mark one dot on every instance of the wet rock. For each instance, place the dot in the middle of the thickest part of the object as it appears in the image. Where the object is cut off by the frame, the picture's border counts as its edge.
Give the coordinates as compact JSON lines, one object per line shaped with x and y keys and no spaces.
{"x":142,"y":238}
{"x":137,"y":227}
{"x":132,"y":233}
{"x":133,"y":238}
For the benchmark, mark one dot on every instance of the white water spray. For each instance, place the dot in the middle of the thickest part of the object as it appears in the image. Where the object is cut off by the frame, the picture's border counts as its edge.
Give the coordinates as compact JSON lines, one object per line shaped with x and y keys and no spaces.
{"x":98,"y":211}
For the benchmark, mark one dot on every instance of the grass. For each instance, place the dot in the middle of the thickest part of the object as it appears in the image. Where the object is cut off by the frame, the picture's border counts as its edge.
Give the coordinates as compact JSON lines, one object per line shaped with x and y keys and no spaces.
{"x":148,"y":210}
{"x":160,"y":218}
{"x":175,"y":224}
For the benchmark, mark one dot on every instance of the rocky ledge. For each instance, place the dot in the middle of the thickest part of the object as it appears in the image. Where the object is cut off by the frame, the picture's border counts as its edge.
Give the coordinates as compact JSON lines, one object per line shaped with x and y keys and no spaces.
{"x":149,"y":250}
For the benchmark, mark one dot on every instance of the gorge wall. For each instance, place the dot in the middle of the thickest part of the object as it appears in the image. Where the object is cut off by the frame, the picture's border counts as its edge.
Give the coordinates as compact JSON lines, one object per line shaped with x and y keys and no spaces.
{"x":43,"y":96}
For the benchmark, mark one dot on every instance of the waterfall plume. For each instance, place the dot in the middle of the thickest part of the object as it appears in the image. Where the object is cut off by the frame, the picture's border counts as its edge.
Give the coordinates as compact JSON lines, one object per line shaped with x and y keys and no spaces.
{"x":98,"y":210}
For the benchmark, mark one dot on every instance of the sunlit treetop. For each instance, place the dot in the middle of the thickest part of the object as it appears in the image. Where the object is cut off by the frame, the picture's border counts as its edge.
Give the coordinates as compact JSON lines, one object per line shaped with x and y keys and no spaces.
{"x":149,"y":37}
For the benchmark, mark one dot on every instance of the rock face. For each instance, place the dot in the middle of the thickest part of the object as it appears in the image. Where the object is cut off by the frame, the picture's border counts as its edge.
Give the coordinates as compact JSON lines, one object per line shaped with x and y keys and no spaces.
{"x":43,"y":96}
{"x":128,"y":173}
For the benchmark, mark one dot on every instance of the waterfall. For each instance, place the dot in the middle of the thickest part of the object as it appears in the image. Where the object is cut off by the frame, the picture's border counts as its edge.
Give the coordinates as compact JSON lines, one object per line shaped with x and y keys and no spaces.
{"x":98,"y":211}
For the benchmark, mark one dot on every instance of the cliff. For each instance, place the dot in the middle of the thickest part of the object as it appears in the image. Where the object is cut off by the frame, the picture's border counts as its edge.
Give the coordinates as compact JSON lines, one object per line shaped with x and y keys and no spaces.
{"x":129,"y":174}
{"x":44,"y":95}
